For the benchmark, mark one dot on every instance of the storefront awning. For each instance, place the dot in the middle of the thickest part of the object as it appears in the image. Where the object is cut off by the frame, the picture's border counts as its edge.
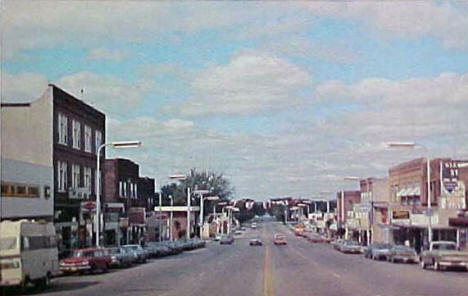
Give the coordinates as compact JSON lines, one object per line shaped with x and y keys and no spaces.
{"x":402,"y":192}
{"x":458,"y":222}
{"x":414,"y":191}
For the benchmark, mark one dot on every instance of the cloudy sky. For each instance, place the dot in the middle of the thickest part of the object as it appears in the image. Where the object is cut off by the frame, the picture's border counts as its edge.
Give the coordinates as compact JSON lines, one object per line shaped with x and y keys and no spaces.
{"x":283,"y":98}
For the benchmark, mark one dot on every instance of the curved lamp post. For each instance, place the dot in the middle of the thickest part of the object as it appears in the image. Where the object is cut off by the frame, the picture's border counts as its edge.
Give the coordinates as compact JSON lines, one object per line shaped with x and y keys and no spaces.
{"x":121,"y":144}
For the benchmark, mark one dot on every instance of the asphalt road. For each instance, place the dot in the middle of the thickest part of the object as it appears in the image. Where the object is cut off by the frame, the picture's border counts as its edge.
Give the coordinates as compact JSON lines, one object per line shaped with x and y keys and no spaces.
{"x":300,"y":268}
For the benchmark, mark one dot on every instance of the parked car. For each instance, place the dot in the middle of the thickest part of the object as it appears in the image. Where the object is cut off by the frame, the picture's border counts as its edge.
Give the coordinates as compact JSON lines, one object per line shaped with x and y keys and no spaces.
{"x":402,"y":254}
{"x":367,"y":251}
{"x":217,"y":238}
{"x":238,"y":232}
{"x":279,"y":239}
{"x":381,"y":251}
{"x":120,"y":257}
{"x":255,"y":242}
{"x":253,"y":226}
{"x":86,"y":260}
{"x":314,"y":238}
{"x":28,"y":253}
{"x":139,"y":254}
{"x":444,"y":254}
{"x":337,"y":243}
{"x":226,"y":240}
{"x":350,"y":247}
{"x":326,"y":239}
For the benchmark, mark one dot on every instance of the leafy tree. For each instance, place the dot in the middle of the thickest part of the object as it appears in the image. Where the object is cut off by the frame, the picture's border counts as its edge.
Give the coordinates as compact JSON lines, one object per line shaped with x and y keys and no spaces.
{"x":216,"y":183}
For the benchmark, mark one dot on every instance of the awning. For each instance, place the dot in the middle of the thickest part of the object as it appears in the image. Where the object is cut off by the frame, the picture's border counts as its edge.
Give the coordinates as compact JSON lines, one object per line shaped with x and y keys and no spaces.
{"x":458,"y":222}
{"x":402,"y":192}
{"x":414,"y":191}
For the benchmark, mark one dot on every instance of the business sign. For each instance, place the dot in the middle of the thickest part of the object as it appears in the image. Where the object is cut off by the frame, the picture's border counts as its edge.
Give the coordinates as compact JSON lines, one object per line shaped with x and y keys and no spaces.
{"x":400,"y":214}
{"x":88,"y":206}
{"x":450,"y":170}
{"x":137,"y":216}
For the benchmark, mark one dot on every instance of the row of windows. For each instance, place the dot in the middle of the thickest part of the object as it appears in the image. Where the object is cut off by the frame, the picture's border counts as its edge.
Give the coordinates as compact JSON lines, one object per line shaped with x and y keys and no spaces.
{"x":62,"y":176}
{"x":23,"y":190}
{"x":62,"y":128}
{"x":38,"y":242}
{"x":132,"y":191}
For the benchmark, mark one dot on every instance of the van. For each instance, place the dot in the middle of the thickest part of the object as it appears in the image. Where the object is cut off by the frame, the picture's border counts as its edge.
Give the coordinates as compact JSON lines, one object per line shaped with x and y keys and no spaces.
{"x":28,"y":253}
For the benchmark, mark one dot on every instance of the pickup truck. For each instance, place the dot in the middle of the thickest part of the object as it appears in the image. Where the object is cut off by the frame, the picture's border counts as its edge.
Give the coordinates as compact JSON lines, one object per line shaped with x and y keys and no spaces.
{"x":444,"y":254}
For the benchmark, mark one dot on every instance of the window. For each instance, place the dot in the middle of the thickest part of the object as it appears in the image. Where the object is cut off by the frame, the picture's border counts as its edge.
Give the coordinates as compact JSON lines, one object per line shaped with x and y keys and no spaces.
{"x":75,"y":176}
{"x":120,"y":188}
{"x":98,"y":140}
{"x":87,"y":178}
{"x":131,"y":190}
{"x":61,"y":176}
{"x":33,"y":191}
{"x":136,"y":191}
{"x":76,"y":134}
{"x":125,"y":189}
{"x":87,"y":138}
{"x":62,"y":129}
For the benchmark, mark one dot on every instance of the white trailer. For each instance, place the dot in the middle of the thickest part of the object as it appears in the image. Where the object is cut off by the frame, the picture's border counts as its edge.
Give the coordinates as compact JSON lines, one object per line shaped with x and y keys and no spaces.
{"x":28,"y":253}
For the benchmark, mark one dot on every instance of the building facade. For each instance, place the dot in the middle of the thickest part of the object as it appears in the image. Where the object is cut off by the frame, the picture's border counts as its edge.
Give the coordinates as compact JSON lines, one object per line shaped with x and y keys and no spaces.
{"x":417,"y":217}
{"x":27,"y":170}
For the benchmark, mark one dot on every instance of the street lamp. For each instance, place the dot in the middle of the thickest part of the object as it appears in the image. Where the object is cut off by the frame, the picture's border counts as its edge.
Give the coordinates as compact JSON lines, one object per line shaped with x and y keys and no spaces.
{"x":182,"y":178}
{"x":120,"y":144}
{"x":171,"y":237}
{"x":201,"y":192}
{"x":412,"y":145}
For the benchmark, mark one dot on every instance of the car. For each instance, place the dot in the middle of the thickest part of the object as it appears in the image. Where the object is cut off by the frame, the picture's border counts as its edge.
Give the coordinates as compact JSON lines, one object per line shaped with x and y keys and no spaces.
{"x":336,"y":243}
{"x":380,"y":251}
{"x":238,"y":232}
{"x":139,"y":254}
{"x":326,"y":239}
{"x":217,"y":238}
{"x":226,"y":240}
{"x":314,"y":238}
{"x":444,"y":254}
{"x":242,"y":228}
{"x":253,"y":226}
{"x":86,"y":260}
{"x":350,"y":247}
{"x":403,"y":254}
{"x":279,"y":239}
{"x":120,"y":257}
{"x":255,"y":242}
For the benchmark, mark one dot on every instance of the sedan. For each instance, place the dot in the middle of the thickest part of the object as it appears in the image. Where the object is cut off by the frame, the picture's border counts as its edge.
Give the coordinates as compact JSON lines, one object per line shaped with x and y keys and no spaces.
{"x":380,"y":251}
{"x":139,"y":254}
{"x":350,"y":247}
{"x":402,"y":254}
{"x":120,"y":257}
{"x":255,"y":242}
{"x":226,"y":240}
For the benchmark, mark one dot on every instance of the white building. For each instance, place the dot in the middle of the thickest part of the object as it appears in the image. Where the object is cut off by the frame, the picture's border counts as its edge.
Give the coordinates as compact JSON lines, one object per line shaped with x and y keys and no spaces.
{"x":26,"y":160}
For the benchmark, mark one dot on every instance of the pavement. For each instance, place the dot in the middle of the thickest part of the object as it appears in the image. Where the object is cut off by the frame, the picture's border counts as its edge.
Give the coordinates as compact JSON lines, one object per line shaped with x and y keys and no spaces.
{"x":299,"y":268}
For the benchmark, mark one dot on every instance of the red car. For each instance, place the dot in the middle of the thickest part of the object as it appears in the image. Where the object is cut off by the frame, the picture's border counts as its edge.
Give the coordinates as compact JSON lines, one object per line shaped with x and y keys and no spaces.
{"x":86,"y":260}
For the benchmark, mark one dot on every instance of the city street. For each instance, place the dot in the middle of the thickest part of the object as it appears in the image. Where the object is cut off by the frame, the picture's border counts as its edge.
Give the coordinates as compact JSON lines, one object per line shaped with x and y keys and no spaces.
{"x":300,"y":268}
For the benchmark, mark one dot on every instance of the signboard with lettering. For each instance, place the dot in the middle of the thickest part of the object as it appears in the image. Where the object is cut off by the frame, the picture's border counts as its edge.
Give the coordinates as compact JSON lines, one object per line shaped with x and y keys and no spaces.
{"x":400,"y":214}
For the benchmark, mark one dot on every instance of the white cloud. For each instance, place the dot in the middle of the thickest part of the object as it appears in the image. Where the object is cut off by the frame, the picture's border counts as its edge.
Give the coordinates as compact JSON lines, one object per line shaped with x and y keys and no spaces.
{"x":413,"y":19}
{"x":23,"y":87}
{"x":110,"y":93}
{"x":107,"y":54}
{"x":249,"y":83}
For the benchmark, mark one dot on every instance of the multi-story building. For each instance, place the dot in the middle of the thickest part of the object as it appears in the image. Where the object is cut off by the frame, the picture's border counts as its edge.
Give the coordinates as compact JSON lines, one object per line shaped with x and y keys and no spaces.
{"x":78,"y":131}
{"x":27,"y":170}
{"x":412,"y":213}
{"x":127,"y":199}
{"x":61,"y":132}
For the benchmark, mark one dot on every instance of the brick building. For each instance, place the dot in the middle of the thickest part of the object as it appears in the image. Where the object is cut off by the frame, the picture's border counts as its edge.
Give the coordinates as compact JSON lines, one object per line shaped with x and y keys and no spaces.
{"x":408,"y":210}
{"x":127,"y":200}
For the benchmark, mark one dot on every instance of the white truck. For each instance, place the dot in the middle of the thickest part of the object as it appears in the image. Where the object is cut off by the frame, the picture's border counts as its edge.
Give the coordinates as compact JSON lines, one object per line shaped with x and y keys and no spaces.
{"x":28,"y":253}
{"x":444,"y":254}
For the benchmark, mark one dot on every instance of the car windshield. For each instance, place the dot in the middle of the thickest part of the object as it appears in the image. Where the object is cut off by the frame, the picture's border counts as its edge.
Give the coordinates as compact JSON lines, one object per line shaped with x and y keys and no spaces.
{"x":444,"y":247}
{"x":8,"y":243}
{"x":83,"y":254}
{"x":114,"y":251}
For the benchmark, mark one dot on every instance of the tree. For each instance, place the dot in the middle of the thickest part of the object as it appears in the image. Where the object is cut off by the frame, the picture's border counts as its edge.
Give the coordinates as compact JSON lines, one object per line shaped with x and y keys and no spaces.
{"x":216,"y":183}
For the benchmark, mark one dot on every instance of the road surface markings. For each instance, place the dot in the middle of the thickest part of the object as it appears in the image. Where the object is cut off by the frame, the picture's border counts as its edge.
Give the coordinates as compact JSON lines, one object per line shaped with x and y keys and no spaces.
{"x":267,"y":274}
{"x":336,"y":275}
